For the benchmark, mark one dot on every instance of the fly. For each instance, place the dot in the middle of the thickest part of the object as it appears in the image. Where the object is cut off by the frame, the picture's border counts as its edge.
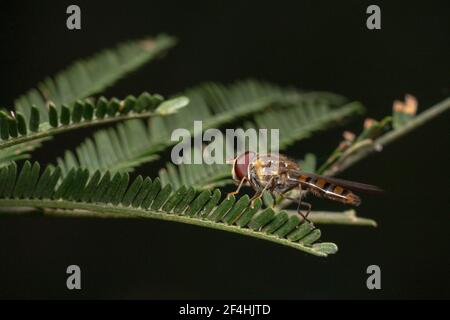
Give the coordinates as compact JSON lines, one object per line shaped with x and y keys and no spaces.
{"x":279,"y":175}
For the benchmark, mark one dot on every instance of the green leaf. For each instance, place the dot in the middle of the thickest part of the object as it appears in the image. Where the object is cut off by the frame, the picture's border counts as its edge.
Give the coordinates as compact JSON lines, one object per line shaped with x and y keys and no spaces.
{"x":34,"y":119}
{"x":77,"y":112}
{"x":294,"y":124}
{"x":216,"y":105}
{"x":69,"y":120}
{"x":13,"y":128}
{"x":301,"y":120}
{"x":21,"y":124}
{"x":309,"y":163}
{"x":172,"y":106}
{"x":88,"y":111}
{"x":114,"y":149}
{"x":65,"y":115}
{"x":122,"y":148}
{"x":53,"y":116}
{"x":199,"y":176}
{"x":4,"y":128}
{"x":79,"y":81}
{"x":92,"y":75}
{"x":32,"y":189}
{"x":113,"y":107}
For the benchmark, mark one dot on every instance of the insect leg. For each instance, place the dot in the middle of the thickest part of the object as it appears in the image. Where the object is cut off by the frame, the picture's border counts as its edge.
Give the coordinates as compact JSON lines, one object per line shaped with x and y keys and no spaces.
{"x":299,"y":204}
{"x":259,"y":194}
{"x":307,"y":205}
{"x":238,"y":188}
{"x":267,"y":185}
{"x":256,"y":196}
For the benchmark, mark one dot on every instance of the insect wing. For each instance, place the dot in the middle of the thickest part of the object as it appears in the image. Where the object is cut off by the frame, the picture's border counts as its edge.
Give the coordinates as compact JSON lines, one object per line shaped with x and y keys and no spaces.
{"x":351,"y":185}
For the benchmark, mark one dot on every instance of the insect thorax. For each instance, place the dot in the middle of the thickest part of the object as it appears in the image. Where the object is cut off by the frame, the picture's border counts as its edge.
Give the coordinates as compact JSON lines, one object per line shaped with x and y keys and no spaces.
{"x":271,"y":169}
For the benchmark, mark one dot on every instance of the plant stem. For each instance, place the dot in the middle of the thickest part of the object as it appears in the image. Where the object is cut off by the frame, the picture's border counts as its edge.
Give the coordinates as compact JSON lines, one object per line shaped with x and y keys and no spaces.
{"x":366,"y":147}
{"x":348,"y":217}
{"x":53,"y":131}
{"x":102,"y":210}
{"x":377,"y":145}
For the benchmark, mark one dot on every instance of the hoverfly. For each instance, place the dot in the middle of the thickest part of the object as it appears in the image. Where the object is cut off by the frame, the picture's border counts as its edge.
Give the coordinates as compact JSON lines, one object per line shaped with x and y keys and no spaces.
{"x":278,"y":175}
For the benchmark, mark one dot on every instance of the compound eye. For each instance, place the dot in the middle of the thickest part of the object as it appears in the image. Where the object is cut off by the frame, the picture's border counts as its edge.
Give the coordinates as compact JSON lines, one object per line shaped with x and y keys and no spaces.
{"x":241,"y":165}
{"x":240,"y":170}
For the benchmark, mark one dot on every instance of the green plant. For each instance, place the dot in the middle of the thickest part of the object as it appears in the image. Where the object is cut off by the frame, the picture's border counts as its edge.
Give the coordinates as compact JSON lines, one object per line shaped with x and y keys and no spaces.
{"x":95,"y":179}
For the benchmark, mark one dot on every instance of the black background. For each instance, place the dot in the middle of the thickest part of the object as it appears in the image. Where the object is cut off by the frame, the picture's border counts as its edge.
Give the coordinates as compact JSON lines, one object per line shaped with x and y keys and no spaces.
{"x":310,"y":44}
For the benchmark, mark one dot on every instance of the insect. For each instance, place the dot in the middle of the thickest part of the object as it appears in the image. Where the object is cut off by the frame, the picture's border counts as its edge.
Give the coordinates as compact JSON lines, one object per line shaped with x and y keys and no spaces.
{"x":278,"y":175}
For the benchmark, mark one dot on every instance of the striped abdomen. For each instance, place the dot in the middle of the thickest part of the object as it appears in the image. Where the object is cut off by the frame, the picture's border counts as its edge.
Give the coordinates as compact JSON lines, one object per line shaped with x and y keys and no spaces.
{"x":319,"y":186}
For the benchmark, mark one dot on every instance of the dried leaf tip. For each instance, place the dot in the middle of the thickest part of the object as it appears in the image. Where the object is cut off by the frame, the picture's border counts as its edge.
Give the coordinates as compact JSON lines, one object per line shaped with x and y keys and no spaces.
{"x":369,"y":122}
{"x":348,"y":136}
{"x":409,"y":106}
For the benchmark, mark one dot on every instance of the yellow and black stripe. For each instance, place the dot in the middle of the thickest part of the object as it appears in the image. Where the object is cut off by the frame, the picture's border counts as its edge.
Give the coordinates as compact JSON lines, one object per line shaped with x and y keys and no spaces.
{"x":321,"y":187}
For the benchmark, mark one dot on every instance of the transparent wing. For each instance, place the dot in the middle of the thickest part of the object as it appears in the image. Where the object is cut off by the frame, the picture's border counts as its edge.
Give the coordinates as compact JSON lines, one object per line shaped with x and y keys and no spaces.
{"x":351,"y":185}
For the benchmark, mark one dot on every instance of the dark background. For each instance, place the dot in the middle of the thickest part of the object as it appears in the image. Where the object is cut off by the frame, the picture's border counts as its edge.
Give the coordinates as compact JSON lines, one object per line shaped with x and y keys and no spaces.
{"x":310,"y":44}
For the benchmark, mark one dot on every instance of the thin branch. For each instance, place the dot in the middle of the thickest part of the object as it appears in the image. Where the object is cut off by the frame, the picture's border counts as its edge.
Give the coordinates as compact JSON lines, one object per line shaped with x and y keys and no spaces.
{"x":366,"y":148}
{"x":348,"y":217}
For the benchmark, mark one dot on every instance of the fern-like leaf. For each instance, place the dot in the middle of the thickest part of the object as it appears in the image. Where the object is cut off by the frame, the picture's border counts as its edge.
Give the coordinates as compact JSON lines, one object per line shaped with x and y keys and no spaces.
{"x":198,"y":176}
{"x":217,"y":105}
{"x":301,"y":120}
{"x":294,"y":124}
{"x":19,"y":152}
{"x":114,"y":195}
{"x":114,"y":149}
{"x":90,"y":76}
{"x":15,"y":129}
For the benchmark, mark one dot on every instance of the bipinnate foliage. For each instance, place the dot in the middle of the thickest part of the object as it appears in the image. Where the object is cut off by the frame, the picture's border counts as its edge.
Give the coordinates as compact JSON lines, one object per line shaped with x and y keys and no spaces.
{"x":263,"y":106}
{"x":94,"y":181}
{"x":16,"y":130}
{"x":116,"y":196}
{"x":92,"y":75}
